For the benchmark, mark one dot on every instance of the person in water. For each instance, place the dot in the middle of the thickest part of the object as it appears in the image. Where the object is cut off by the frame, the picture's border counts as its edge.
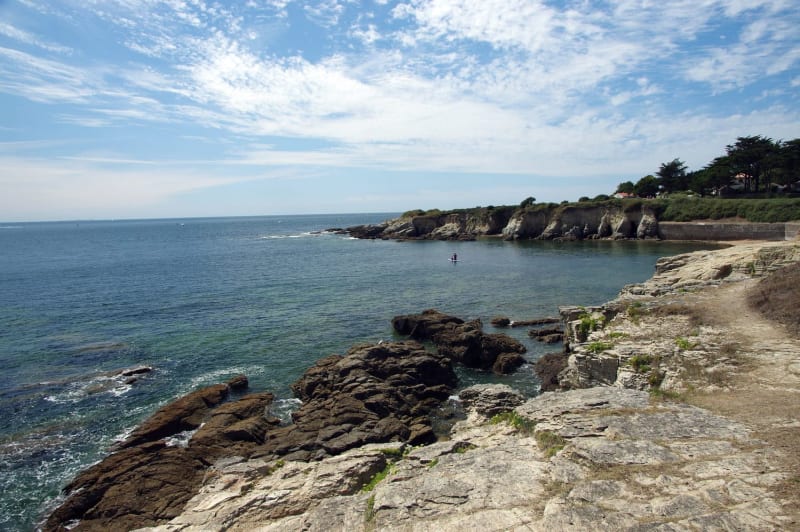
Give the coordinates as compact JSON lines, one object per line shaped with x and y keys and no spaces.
{"x":454,"y":258}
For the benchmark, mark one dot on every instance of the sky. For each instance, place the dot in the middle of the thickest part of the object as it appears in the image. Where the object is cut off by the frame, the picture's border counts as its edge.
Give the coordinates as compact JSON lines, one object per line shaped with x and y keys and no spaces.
{"x":114,"y":109}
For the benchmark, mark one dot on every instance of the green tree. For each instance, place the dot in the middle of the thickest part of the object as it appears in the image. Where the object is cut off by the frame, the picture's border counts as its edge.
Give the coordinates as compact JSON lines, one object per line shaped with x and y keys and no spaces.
{"x":672,"y":176}
{"x":753,"y":157}
{"x":646,"y":186}
{"x":625,"y":187}
{"x":527,"y":202}
{"x":787,"y":169}
{"x":718,"y":173}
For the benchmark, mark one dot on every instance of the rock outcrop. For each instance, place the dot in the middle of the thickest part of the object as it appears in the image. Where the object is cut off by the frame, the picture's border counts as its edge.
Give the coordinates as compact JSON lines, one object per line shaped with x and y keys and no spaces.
{"x":374,"y":393}
{"x":631,"y":341}
{"x":463,"y":342}
{"x":544,"y":222}
{"x":152,"y":474}
{"x":635,"y":219}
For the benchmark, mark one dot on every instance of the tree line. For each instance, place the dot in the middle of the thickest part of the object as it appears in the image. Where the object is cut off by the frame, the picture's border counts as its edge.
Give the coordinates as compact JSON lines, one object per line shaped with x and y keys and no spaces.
{"x":751,"y":165}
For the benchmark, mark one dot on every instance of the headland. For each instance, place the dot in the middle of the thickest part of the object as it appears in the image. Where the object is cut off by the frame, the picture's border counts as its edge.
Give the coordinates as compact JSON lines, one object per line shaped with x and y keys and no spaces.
{"x":674,"y":219}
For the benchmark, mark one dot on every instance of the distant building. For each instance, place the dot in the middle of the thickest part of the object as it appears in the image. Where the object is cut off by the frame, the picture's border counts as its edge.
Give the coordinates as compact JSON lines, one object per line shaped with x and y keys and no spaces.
{"x":623,"y":195}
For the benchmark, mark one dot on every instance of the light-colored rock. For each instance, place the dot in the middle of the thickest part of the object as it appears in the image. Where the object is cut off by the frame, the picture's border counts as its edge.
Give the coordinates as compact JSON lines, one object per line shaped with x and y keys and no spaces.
{"x":491,"y":399}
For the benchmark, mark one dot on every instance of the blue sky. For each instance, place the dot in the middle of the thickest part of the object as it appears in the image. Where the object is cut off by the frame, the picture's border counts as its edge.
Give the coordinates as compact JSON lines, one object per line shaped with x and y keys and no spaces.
{"x":146,"y":108}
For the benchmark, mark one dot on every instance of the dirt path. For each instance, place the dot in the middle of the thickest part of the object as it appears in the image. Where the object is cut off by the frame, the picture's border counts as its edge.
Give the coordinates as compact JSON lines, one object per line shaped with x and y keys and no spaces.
{"x":766,"y":396}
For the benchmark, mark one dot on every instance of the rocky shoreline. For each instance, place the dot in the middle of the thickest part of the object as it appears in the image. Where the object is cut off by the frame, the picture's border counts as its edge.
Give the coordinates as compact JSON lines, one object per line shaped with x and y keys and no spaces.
{"x":627,"y":447}
{"x":570,"y":222}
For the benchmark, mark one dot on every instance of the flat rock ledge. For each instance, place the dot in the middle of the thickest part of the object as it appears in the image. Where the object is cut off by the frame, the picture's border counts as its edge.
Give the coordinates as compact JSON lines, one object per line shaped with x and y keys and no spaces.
{"x":595,"y":459}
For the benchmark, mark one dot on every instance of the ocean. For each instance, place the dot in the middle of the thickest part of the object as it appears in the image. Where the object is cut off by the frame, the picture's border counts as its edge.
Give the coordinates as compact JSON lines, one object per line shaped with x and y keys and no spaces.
{"x":202,"y":300}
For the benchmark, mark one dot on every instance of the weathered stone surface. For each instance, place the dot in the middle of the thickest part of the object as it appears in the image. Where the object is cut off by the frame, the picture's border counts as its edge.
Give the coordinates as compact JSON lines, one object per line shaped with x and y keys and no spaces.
{"x":625,"y":464}
{"x":375,"y":393}
{"x":462,"y":342}
{"x":187,"y":413}
{"x":490,"y":399}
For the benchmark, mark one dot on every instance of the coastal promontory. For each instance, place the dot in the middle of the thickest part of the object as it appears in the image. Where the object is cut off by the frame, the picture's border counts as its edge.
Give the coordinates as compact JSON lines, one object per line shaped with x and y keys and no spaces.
{"x":685,"y":218}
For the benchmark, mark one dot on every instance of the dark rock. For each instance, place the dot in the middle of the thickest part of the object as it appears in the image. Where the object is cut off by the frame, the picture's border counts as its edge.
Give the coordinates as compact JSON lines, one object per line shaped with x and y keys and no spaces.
{"x":135,"y":487}
{"x":238,"y":383}
{"x":425,"y":325}
{"x":547,"y":369}
{"x":500,"y":321}
{"x":507,"y":363}
{"x":367,"y":231}
{"x":187,"y":413}
{"x":233,"y":423}
{"x":137,"y":370}
{"x":374,"y":393}
{"x":535,"y":322}
{"x":148,"y":481}
{"x":463,"y":342}
{"x":537,"y":333}
{"x":550,"y":338}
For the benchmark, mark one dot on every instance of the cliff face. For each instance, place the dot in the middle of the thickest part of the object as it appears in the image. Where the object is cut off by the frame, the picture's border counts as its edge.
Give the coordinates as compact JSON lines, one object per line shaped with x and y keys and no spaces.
{"x":571,"y":222}
{"x":578,"y":222}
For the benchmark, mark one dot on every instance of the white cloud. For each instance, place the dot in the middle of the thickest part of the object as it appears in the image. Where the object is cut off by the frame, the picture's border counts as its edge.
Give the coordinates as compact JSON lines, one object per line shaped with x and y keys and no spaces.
{"x":522,"y":87}
{"x":324,"y":12}
{"x":28,"y":38}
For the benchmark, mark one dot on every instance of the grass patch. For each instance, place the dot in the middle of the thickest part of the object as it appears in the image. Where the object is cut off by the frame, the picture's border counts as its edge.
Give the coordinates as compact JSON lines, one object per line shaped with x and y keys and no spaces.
{"x":658,"y":394}
{"x":598,"y":347}
{"x":684,"y":344}
{"x":550,"y":442}
{"x":640,"y":363}
{"x":520,"y":423}
{"x":432,"y":463}
{"x":655,"y":378}
{"x":618,"y":335}
{"x":377,"y":478}
{"x":753,"y":210}
{"x":369,"y":512}
{"x":635,"y":311}
{"x":588,"y":324}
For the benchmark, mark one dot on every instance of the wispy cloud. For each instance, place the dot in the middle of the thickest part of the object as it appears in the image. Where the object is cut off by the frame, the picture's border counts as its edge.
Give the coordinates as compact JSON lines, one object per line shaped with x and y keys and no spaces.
{"x":523,"y":87}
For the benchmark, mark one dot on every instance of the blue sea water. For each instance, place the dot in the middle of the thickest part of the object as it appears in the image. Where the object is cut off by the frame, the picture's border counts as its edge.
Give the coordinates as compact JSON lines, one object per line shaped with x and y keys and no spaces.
{"x":202,"y":300}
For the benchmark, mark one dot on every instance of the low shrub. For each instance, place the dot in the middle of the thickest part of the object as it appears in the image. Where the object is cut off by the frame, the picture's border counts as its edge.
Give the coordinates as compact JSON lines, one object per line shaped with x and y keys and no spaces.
{"x":599,"y":347}
{"x":640,"y":363}
{"x":550,"y":442}
{"x":520,"y":423}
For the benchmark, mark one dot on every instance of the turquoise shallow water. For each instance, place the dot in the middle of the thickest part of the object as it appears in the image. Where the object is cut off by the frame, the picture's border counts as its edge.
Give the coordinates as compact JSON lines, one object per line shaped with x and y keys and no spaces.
{"x":201,"y":300}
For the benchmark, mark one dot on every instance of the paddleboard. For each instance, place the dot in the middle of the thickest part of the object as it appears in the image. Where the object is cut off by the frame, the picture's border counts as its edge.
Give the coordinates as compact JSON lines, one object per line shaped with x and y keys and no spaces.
{"x":453,"y":260}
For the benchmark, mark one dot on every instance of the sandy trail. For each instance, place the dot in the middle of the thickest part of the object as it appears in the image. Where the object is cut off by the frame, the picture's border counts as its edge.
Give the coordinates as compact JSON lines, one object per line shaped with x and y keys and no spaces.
{"x":766,"y":394}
